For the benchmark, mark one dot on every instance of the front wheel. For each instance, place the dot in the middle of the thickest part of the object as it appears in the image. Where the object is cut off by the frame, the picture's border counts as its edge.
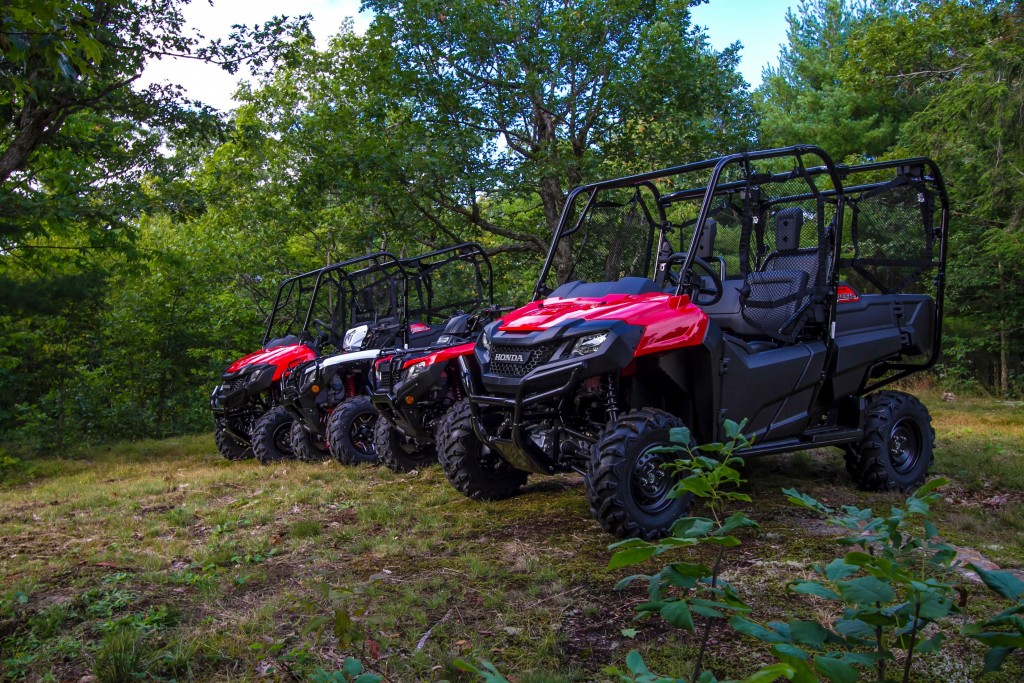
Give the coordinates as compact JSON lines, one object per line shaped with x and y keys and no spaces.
{"x":897,"y":449}
{"x":628,"y":489}
{"x":230,"y":447}
{"x":307,"y":446}
{"x":272,"y":436}
{"x":350,"y":431}
{"x":471,"y":467}
{"x":397,"y":451}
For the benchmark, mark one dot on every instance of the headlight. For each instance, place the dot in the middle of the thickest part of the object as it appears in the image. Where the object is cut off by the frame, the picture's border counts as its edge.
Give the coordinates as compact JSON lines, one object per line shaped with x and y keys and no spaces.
{"x":260,"y":375}
{"x":413,"y":370}
{"x":485,"y":343}
{"x":588,"y":344}
{"x":354,"y":338}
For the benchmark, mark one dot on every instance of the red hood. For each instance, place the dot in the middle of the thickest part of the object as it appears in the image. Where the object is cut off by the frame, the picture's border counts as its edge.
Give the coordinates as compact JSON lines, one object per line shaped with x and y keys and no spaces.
{"x":443,"y":355}
{"x":280,"y":356}
{"x":670,"y":321}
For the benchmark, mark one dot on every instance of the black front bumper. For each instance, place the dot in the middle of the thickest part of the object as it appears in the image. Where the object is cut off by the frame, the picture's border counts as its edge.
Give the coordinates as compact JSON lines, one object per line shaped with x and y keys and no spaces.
{"x":396,"y":407}
{"x":502,"y":404}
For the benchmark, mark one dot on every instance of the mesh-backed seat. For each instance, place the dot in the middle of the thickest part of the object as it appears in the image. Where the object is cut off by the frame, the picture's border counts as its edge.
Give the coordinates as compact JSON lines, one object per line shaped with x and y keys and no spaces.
{"x":778,"y":299}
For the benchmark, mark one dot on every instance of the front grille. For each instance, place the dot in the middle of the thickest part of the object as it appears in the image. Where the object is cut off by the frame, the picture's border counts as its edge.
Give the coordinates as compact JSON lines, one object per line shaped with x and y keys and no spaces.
{"x":236,"y":383}
{"x":390,"y":373}
{"x":539,"y":355}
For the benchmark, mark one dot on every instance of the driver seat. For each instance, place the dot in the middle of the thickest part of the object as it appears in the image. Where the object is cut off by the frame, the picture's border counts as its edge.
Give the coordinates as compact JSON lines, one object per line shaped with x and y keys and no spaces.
{"x":776,"y":299}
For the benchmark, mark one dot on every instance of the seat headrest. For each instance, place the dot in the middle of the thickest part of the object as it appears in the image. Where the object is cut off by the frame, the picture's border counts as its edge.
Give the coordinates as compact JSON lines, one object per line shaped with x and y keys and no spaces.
{"x":706,"y":243}
{"x":788,"y":223}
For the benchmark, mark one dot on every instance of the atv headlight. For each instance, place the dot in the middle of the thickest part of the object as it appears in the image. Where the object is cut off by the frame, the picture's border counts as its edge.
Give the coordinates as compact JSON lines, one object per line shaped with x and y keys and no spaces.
{"x":260,"y":376}
{"x":354,"y":338}
{"x":413,"y":370}
{"x":485,"y":343}
{"x":588,"y":344}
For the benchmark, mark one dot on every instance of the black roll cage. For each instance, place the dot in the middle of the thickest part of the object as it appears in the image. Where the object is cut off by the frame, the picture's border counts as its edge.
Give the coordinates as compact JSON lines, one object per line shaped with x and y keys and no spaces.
{"x":837,"y":195}
{"x":425,"y":264}
{"x":278,"y":304}
{"x":380,"y":261}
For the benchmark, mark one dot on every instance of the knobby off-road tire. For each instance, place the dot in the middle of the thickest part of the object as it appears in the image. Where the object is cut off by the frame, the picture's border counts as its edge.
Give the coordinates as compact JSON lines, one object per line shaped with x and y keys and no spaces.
{"x":272,"y":436}
{"x":305,"y":446}
{"x":627,"y":489}
{"x":350,"y":431}
{"x":391,"y":444}
{"x":470,"y":466}
{"x":897,"y":449}
{"x":228,"y":446}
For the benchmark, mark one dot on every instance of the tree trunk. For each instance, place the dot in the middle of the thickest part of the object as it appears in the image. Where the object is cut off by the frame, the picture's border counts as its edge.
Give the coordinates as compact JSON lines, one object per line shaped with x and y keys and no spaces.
{"x":1004,"y":341}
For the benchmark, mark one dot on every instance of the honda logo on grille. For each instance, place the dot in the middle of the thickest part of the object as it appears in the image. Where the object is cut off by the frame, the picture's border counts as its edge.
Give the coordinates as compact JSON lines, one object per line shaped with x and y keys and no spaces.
{"x":511,"y":357}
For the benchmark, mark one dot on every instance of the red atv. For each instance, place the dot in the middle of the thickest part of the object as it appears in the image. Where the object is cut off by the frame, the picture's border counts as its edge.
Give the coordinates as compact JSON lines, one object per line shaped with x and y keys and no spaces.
{"x":302,"y":323}
{"x":802,"y":290}
{"x":327,"y":398}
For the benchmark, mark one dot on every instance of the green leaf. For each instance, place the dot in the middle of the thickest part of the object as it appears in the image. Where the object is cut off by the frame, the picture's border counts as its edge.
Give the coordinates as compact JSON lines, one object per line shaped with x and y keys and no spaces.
{"x":1002,"y":582}
{"x":755,"y":630}
{"x":692,"y":527}
{"x":724,"y":541}
{"x":628,"y":632}
{"x":631,"y":556}
{"x":635,"y":662}
{"x":352,"y":667}
{"x":791,"y":652}
{"x":866,"y":590}
{"x":770,"y":673}
{"x":994,"y":659}
{"x":696,"y":485}
{"x":680,"y":435}
{"x":809,"y":633}
{"x":839,"y":569}
{"x":928,"y":487}
{"x":854,"y":628}
{"x":736,"y":520}
{"x":805,"y":501}
{"x":931,"y":645}
{"x":678,"y":614}
{"x":813,"y":588}
{"x":835,"y":670}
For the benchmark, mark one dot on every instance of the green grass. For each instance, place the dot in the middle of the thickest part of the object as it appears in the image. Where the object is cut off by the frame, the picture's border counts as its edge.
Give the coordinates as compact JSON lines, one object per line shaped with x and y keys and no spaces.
{"x":161,"y":559}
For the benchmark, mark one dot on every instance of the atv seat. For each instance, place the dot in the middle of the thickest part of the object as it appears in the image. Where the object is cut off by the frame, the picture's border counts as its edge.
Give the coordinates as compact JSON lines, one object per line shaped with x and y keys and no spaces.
{"x":778,"y":299}
{"x":596,"y":290}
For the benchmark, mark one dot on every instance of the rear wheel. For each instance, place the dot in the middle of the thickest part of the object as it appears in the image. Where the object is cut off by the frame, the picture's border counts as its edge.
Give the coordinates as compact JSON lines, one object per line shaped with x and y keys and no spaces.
{"x":627,"y":487}
{"x":230,"y":447}
{"x":897,"y":449}
{"x":471,"y":467}
{"x":272,"y":436}
{"x":307,"y":446}
{"x":350,"y":431}
{"x":399,"y":452}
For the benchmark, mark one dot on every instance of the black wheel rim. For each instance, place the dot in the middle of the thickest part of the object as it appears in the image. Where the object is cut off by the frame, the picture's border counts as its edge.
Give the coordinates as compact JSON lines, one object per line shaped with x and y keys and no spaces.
{"x":650,"y":484}
{"x":904,"y":445}
{"x":360,"y":433}
{"x":283,"y":439}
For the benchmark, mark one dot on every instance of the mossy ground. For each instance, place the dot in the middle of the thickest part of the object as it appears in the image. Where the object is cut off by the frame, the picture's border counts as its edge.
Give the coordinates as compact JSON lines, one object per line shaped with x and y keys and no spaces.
{"x":219,"y":569}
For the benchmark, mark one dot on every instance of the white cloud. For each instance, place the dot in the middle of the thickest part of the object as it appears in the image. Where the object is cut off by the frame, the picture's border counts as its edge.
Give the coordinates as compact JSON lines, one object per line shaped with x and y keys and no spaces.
{"x":213,"y":85}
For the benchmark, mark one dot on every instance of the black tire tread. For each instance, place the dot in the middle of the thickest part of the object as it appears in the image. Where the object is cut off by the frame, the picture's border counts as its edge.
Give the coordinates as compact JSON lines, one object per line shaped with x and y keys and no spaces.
{"x":229,"y":447}
{"x":338,"y":425}
{"x":613,"y":444}
{"x":392,"y":455}
{"x":458,"y":455}
{"x":867,"y":461}
{"x":263,"y":435}
{"x":303,"y":446}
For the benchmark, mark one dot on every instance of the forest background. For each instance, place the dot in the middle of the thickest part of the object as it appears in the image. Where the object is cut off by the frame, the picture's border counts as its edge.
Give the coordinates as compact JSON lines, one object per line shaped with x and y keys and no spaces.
{"x":142,"y":235}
